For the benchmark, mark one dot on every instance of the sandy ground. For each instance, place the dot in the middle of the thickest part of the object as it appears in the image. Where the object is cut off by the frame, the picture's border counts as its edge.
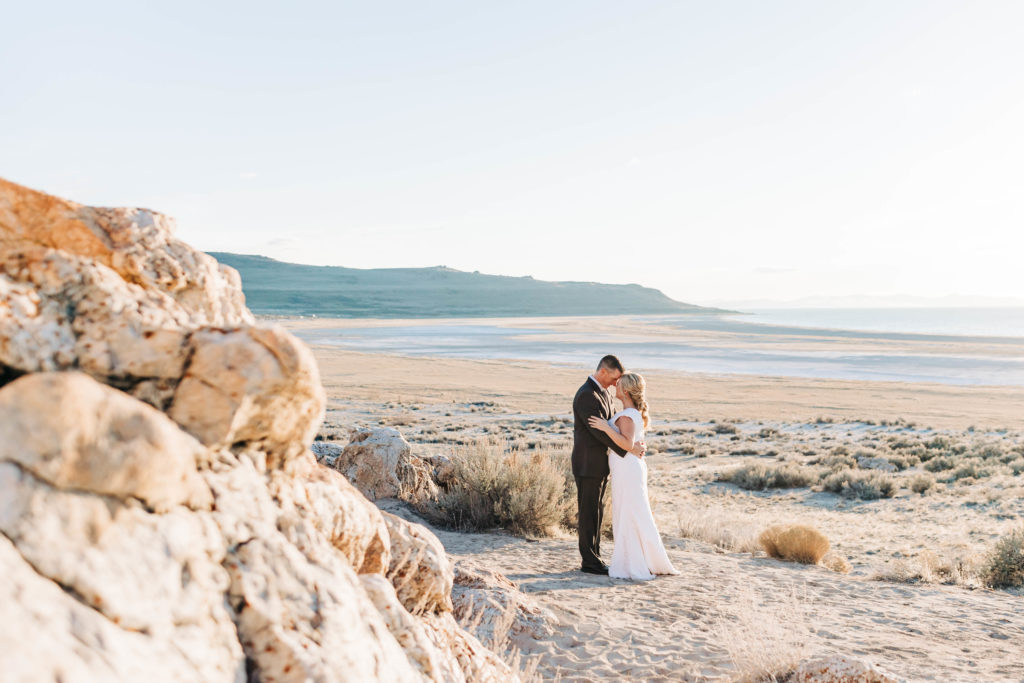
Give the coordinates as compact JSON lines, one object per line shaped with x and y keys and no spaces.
{"x":734,"y":610}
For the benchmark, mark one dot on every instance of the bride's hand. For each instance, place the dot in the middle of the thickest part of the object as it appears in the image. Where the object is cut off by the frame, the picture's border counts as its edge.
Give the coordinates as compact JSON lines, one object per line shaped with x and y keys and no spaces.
{"x":597,"y":423}
{"x":639,"y":448}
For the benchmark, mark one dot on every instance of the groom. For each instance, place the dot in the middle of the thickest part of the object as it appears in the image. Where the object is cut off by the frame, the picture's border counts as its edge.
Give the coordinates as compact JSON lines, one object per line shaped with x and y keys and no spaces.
{"x":590,"y":459}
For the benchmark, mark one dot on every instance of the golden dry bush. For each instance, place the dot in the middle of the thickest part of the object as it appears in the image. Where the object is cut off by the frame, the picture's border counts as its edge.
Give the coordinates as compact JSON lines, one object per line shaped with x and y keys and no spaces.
{"x":794,"y":543}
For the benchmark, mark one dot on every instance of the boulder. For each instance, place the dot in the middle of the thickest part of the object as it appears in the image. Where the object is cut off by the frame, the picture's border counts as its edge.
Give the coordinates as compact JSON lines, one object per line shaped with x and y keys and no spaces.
{"x":381,"y":465}
{"x":258,"y":386}
{"x":161,"y":515}
{"x":495,"y":607}
{"x":419,"y":568}
{"x":137,"y":244}
{"x":839,"y":669}
{"x":75,"y":433}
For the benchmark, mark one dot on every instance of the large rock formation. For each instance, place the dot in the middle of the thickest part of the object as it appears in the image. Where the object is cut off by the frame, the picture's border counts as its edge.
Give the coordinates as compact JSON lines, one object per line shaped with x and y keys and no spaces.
{"x":162,"y":516}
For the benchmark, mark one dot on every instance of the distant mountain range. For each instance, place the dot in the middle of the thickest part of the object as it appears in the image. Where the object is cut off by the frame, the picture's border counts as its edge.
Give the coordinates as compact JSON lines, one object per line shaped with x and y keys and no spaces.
{"x":277,"y":288}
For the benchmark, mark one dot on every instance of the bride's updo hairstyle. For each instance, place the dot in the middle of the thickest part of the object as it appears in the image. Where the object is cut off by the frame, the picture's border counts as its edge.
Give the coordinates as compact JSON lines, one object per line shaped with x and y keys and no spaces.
{"x":634,"y":386}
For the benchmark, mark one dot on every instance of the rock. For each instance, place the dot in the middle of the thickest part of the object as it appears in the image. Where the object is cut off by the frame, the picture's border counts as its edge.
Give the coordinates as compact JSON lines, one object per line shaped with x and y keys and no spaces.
{"x":326,"y":453}
{"x":259,"y":386}
{"x":46,"y":634}
{"x":157,"y":573}
{"x":33,"y":339}
{"x":301,"y":621}
{"x":137,"y":244}
{"x":327,"y":501}
{"x":839,"y":669}
{"x":161,"y":515}
{"x":381,"y":465}
{"x":495,"y":608}
{"x":419,"y":568}
{"x":443,"y":469}
{"x":75,"y":433}
{"x":866,"y":463}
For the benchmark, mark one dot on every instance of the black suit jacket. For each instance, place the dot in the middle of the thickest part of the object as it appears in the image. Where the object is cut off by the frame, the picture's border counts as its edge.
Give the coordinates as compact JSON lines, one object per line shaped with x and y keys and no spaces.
{"x":590,"y":446}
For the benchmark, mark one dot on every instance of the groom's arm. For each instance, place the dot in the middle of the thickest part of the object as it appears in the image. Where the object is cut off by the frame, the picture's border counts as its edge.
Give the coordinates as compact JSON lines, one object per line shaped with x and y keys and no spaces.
{"x":590,"y":405}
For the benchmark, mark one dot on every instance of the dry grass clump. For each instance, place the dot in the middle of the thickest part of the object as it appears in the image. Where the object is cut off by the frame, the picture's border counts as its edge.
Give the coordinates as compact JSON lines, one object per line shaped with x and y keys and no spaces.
{"x":492,"y":485}
{"x":922,"y":483}
{"x":866,"y":485}
{"x":766,"y":643}
{"x":929,"y":567}
{"x":757,"y":476}
{"x":794,"y":543}
{"x":1004,"y":566}
{"x":836,"y":562}
{"x":718,"y":527}
{"x":724,"y":428}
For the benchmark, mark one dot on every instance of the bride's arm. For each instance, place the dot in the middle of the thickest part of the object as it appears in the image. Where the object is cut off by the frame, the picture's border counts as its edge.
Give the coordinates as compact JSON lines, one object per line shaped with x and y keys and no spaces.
{"x":623,"y":440}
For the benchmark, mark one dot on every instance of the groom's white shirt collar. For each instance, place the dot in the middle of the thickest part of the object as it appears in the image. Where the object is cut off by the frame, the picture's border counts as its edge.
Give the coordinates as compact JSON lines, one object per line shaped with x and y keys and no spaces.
{"x":594,"y":380}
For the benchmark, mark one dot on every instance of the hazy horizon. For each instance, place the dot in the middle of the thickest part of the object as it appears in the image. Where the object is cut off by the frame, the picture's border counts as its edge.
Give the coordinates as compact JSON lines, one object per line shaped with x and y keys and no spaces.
{"x":719,"y":153}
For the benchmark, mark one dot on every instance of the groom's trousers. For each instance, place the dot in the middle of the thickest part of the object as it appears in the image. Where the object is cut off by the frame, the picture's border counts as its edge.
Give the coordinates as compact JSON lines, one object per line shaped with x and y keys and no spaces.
{"x":590,"y":513}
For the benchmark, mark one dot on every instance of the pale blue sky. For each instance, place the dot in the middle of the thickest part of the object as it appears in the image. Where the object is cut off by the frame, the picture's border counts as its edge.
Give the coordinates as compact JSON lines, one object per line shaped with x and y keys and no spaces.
{"x":716,"y":150}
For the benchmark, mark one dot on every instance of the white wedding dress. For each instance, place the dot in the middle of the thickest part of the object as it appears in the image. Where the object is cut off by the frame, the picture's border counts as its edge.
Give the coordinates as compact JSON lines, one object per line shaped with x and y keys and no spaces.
{"x":639,"y":553}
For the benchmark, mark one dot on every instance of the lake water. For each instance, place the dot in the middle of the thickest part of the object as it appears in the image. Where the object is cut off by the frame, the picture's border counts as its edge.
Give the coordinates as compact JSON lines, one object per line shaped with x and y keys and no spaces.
{"x":970,"y":322}
{"x":909,"y":345}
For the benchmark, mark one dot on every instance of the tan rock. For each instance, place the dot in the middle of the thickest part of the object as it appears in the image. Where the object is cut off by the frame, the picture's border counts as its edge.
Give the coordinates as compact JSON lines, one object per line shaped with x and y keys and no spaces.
{"x":494,"y":608}
{"x":301,"y":621}
{"x":321,"y":497}
{"x":47,"y":635}
{"x":419,"y":568}
{"x":137,"y":244}
{"x":32,"y":339}
{"x":255,"y":385}
{"x":380,"y":463}
{"x":839,"y":669}
{"x":75,"y":433}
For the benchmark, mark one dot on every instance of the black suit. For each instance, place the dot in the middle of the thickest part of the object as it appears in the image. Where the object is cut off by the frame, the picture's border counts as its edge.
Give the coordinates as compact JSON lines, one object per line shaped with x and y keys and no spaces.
{"x":590,"y":467}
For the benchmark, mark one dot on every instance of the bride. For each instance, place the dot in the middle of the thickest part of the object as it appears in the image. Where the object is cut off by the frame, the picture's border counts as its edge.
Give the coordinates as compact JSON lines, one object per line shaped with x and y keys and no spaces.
{"x":639,"y":553}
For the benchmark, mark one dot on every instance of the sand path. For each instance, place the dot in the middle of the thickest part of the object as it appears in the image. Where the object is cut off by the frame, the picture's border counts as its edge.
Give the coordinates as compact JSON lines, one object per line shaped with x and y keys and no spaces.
{"x":726,"y":604}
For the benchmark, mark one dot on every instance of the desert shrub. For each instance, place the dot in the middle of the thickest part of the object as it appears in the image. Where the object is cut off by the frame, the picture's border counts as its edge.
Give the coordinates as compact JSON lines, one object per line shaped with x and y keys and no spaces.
{"x":866,"y":485}
{"x":836,"y":562}
{"x":718,"y":526}
{"x":757,"y":476}
{"x":922,"y":483}
{"x":1016,"y":466}
{"x":1004,"y":566}
{"x":941,"y":463}
{"x":493,"y":485}
{"x":929,"y":567}
{"x":902,"y":461}
{"x":989,"y":452}
{"x":938,"y":443}
{"x":794,"y":543}
{"x":972,"y":469}
{"x":836,"y":461}
{"x":724,"y":428}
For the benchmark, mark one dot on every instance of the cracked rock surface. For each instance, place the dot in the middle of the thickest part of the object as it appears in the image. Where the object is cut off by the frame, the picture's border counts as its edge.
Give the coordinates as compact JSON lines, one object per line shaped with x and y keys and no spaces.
{"x":161,"y":515}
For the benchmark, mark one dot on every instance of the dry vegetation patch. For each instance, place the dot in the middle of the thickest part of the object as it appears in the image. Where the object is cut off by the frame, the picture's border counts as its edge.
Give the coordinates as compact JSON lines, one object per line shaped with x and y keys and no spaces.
{"x":758,"y":476}
{"x":1004,"y":567}
{"x":794,"y":543}
{"x":495,"y":486}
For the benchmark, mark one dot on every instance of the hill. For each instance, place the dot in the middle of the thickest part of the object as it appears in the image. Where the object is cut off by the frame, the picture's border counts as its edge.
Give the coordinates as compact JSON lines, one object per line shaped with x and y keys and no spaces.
{"x":277,"y":288}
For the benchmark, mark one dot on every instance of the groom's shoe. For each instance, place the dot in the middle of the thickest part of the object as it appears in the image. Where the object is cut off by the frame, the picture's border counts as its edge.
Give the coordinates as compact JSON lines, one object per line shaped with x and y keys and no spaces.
{"x":601,"y":571}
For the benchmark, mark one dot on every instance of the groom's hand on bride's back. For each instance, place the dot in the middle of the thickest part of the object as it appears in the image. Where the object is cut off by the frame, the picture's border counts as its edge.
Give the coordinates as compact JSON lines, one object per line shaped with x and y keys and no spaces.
{"x":639,"y":448}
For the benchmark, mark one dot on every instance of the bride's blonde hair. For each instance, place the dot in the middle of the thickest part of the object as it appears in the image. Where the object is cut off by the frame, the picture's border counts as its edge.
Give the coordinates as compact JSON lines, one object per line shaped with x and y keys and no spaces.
{"x":634,"y":386}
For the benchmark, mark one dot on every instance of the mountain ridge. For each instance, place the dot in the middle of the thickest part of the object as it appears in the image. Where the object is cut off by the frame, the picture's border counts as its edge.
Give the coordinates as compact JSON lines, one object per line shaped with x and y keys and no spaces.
{"x":275,"y":287}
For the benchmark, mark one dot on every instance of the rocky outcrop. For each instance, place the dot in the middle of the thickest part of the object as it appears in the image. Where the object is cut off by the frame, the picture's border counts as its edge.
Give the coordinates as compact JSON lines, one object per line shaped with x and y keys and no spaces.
{"x":839,"y":669}
{"x":496,"y":609}
{"x":380,"y":463}
{"x":161,"y":515}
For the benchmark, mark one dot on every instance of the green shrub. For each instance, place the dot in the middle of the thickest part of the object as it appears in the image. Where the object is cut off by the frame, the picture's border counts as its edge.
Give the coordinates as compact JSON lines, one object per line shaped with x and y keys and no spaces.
{"x":1004,"y":567}
{"x":757,"y":476}
{"x":863,"y":484}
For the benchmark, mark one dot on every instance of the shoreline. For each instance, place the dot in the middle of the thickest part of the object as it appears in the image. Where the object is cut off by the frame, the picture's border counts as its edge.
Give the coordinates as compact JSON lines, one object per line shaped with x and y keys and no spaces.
{"x":527,"y":386}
